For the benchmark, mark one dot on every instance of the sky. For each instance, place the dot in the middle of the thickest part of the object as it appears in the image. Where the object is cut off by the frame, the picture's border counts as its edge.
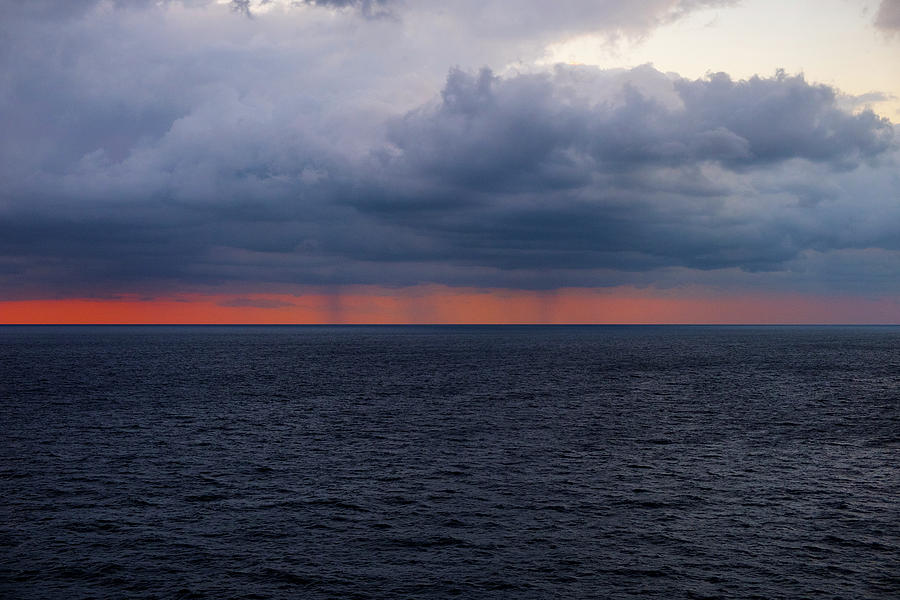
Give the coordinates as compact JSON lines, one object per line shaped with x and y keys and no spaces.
{"x":468,"y":161}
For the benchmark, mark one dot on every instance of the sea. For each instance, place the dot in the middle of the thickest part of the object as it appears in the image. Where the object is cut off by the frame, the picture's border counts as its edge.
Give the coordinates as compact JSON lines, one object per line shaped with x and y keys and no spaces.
{"x":526,"y":462}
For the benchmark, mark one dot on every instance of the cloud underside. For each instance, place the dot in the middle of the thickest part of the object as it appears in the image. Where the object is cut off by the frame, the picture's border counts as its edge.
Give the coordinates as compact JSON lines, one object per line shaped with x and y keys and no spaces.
{"x":203,"y":159}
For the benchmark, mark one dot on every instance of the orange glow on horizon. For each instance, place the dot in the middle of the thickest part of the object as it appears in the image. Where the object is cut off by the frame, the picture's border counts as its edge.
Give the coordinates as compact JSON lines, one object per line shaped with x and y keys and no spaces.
{"x":443,"y":305}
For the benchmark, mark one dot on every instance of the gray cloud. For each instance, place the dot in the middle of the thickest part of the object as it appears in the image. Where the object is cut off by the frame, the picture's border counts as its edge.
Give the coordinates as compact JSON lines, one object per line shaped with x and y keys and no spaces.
{"x":533,"y":171}
{"x":143,"y":153}
{"x":492,"y":18}
{"x":369,"y":8}
{"x":888,"y":16}
{"x":487,"y":132}
{"x":65,"y":9}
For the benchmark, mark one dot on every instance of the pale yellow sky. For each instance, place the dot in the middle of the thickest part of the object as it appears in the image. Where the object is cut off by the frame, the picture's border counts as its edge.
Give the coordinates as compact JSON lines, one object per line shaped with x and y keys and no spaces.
{"x":830,"y":41}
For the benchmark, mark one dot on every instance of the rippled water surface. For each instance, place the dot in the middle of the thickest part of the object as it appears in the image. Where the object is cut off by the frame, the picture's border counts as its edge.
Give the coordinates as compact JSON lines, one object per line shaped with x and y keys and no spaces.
{"x":436,"y":462}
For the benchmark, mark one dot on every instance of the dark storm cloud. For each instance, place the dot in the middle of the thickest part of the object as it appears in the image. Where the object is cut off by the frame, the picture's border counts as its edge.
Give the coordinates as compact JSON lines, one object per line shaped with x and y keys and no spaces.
{"x":530,"y":172}
{"x":535,"y":130}
{"x":528,"y":181}
{"x":143,"y":153}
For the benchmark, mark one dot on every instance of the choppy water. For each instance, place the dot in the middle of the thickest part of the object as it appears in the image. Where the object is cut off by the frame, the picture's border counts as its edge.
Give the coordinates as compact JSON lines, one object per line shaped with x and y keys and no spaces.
{"x":436,"y":462}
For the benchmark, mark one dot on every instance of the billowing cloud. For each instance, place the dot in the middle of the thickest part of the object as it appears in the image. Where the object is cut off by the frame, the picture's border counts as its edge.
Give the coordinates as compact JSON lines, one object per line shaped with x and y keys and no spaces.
{"x":165,"y":147}
{"x":496,"y":129}
{"x":583,"y":169}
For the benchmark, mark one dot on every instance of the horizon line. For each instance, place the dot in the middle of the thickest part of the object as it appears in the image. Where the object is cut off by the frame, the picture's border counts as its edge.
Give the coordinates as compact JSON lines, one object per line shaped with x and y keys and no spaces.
{"x":667,"y":324}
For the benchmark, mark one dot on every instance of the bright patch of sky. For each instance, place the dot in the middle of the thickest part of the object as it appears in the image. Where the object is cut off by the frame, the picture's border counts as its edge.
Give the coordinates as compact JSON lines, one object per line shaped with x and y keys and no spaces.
{"x":829,"y":41}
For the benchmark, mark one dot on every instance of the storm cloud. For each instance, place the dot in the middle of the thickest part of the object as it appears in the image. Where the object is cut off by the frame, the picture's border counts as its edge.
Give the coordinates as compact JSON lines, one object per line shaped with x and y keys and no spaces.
{"x":636,"y":170}
{"x":177,"y":145}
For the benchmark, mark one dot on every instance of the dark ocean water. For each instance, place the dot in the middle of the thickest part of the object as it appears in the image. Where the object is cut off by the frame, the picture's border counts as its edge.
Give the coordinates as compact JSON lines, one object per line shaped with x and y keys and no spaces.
{"x":438,"y":462}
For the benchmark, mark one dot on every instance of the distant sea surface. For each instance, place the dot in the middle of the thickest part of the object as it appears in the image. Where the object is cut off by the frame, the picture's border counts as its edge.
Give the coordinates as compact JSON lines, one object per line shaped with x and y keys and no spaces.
{"x":442,"y":462}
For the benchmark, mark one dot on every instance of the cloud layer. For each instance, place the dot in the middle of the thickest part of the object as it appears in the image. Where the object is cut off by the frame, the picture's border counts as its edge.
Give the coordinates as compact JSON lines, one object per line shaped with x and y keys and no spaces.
{"x":152,"y":147}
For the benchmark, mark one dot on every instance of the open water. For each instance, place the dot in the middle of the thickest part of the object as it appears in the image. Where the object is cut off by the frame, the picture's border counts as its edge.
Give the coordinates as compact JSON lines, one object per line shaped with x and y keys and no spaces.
{"x":439,"y":462}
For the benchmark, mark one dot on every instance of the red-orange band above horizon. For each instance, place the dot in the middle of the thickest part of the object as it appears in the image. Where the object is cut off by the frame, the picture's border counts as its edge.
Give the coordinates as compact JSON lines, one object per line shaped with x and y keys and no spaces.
{"x":448,"y":305}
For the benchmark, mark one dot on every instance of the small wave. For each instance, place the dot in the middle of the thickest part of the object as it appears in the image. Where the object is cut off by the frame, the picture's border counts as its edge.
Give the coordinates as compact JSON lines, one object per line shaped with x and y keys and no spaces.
{"x":432,"y":542}
{"x":92,"y":526}
{"x":84,"y":573}
{"x":454,"y":524}
{"x":650,"y":504}
{"x":399,"y":500}
{"x":639,"y":573}
{"x":135,"y":501}
{"x":287,"y":577}
{"x":337,"y":503}
{"x":186,"y":594}
{"x":450,"y":473}
{"x":205,"y":497}
{"x":498,"y":585}
{"x":852,"y":543}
